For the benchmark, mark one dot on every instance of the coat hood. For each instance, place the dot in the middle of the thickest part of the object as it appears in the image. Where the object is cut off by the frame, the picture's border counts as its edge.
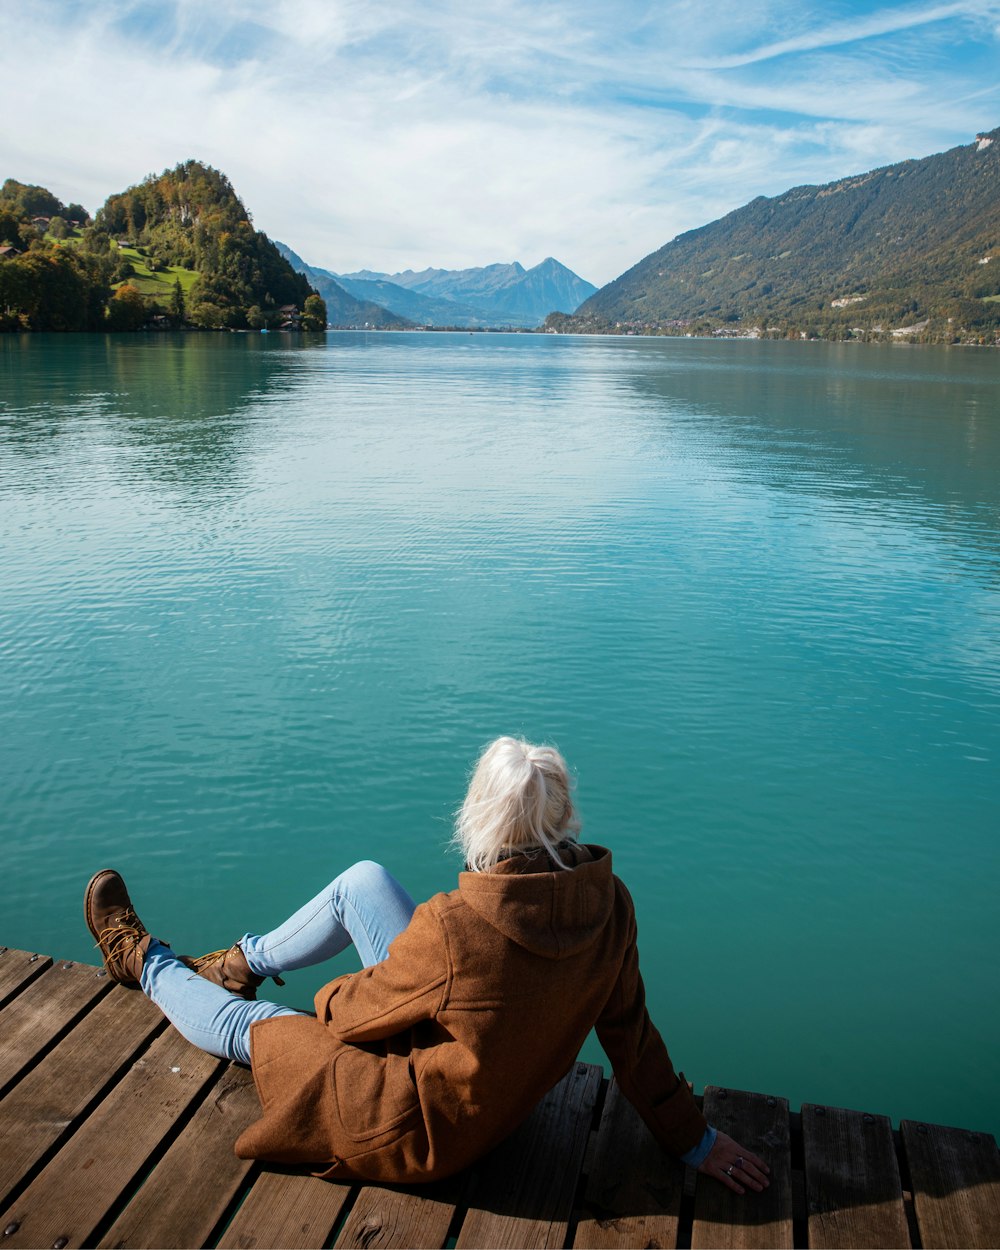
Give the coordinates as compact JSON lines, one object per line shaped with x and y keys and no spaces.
{"x":550,"y":912}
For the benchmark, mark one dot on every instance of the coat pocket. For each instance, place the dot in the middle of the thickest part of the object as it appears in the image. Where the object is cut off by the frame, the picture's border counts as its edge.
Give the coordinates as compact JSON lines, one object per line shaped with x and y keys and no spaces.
{"x":375,"y":1093}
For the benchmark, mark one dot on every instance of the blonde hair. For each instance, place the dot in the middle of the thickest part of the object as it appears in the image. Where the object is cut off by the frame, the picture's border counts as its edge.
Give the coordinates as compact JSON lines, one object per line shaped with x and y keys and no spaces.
{"x":518,"y":800}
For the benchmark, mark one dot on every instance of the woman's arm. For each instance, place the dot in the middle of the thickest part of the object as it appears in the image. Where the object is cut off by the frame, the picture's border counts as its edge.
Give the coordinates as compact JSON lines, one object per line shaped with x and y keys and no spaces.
{"x":646,"y":1076}
{"x":641,"y":1063}
{"x":405,"y":988}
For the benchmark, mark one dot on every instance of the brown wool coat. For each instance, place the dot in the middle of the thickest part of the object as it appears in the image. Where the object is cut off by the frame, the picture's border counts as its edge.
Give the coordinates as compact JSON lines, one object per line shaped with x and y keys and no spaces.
{"x":417,"y":1066}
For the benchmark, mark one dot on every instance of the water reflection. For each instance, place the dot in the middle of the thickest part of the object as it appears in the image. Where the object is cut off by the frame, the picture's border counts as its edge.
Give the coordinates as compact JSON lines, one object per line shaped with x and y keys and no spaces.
{"x":170,"y":408}
{"x":260,"y":596}
{"x":914,"y":430}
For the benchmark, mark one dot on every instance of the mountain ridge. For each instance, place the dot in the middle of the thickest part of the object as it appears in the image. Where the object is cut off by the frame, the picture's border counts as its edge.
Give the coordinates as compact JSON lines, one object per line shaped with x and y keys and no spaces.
{"x":517,"y":295}
{"x":901,"y":251}
{"x":500,"y":295}
{"x":345,"y":309}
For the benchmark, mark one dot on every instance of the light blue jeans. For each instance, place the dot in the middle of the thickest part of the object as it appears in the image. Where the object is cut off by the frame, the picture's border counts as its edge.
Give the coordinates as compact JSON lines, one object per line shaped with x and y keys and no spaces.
{"x":364,"y":905}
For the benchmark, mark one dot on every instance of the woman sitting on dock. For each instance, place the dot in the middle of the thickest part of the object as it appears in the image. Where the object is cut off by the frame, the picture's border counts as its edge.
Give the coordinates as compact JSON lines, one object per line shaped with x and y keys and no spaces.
{"x":469,"y":1007}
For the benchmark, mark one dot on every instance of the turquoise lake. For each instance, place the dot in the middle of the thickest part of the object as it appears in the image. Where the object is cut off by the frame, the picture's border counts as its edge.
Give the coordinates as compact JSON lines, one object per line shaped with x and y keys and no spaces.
{"x":265,"y":598}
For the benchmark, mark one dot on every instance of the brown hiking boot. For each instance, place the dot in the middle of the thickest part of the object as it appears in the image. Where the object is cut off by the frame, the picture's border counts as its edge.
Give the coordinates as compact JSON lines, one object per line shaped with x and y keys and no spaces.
{"x":121,"y":936}
{"x":229,"y":968}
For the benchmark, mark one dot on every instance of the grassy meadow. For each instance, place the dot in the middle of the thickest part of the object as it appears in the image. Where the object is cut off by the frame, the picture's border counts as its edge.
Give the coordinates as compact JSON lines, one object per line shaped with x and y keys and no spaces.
{"x":158,"y":285}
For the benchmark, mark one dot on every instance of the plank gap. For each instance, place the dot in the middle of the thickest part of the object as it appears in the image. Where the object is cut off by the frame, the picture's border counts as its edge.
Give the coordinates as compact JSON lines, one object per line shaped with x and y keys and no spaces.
{"x":685,"y":1214}
{"x":23,"y":1006}
{"x":910,"y":1209}
{"x":457,"y":1218}
{"x":239,"y":1198}
{"x":797,"y":1164}
{"x":955,"y":1179}
{"x":579,"y":1196}
{"x":18,"y":970}
{"x":797,"y":1151}
{"x":726,"y":1219}
{"x":853,"y":1189}
{"x":286,"y":1207}
{"x":229,"y":1214}
{"x":155,"y":1158}
{"x":48,"y":1153}
{"x":800,"y":1209}
{"x":176,"y":1206}
{"x":342,"y":1219}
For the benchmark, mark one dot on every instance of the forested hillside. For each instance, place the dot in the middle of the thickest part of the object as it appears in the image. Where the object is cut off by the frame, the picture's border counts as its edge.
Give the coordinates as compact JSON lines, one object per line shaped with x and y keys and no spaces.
{"x":909,"y":251}
{"x":44,"y":285}
{"x":177,"y":249}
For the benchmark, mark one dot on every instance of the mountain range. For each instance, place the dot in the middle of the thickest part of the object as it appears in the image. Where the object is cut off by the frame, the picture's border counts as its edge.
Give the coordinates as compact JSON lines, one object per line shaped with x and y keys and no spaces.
{"x":344,"y":310}
{"x":909,"y":251}
{"x":500,"y":295}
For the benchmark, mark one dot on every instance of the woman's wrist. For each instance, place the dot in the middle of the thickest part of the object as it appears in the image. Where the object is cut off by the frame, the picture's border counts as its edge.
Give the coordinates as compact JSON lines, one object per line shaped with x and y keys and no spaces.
{"x":697,"y":1155}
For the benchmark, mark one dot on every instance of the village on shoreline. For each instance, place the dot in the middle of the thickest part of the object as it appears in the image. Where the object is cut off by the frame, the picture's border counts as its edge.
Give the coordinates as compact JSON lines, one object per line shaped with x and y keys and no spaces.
{"x":875,"y":258}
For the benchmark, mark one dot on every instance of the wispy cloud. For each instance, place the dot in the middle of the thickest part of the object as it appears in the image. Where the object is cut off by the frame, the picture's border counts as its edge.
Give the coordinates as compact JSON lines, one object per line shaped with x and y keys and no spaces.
{"x":406,"y":134}
{"x":853,"y":30}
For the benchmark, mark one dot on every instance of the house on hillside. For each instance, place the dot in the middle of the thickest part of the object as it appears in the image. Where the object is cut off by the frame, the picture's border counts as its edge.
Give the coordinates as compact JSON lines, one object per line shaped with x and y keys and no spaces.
{"x":8,"y":253}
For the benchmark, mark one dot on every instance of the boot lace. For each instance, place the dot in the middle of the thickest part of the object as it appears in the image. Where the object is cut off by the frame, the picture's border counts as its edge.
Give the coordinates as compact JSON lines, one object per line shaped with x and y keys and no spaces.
{"x":120,"y":938}
{"x":204,"y":961}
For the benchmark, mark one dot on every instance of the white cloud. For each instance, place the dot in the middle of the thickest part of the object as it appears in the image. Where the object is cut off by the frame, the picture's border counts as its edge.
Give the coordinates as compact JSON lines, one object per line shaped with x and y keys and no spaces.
{"x":407,"y":134}
{"x":867,"y":26}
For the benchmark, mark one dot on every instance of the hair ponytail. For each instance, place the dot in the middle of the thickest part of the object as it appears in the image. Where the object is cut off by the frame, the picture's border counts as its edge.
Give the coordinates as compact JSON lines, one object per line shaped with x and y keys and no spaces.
{"x":518,"y":800}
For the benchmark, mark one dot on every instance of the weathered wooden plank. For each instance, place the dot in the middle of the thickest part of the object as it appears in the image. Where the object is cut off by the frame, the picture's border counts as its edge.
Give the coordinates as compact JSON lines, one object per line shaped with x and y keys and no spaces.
{"x":726,"y":1219}
{"x":68,"y":1172}
{"x":289,"y":1210}
{"x":955,"y":1176}
{"x":522,"y":1192}
{"x":45,"y":1103}
{"x":634,"y":1190}
{"x":42,"y":1011}
{"x":393,"y":1219}
{"x":854,"y":1197}
{"x":18,"y":968}
{"x":97,"y":1167}
{"x":187,"y":1193}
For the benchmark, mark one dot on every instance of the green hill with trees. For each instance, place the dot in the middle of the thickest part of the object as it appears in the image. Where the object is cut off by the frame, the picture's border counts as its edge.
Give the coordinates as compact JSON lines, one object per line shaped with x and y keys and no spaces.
{"x":910,"y":252}
{"x":177,"y":249}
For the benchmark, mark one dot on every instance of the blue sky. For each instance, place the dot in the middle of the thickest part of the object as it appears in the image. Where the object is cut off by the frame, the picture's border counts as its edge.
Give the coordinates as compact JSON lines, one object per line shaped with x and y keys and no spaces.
{"x":410,"y":133}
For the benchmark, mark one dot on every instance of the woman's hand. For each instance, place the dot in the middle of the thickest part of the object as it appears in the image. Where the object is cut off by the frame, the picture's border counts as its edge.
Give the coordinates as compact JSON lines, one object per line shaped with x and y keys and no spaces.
{"x":735,"y":1166}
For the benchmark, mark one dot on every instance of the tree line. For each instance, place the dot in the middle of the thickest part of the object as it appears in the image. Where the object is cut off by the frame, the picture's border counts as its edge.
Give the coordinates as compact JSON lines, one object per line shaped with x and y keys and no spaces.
{"x":62,"y":270}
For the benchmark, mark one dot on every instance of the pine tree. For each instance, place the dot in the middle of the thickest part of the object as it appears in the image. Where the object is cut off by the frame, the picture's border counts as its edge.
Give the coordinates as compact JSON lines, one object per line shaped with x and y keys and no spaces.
{"x":178,"y":312}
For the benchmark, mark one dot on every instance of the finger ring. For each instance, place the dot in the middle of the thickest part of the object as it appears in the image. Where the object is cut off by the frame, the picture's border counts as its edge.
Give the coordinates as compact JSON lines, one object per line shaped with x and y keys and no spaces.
{"x":729,"y":1170}
{"x":739,"y":1161}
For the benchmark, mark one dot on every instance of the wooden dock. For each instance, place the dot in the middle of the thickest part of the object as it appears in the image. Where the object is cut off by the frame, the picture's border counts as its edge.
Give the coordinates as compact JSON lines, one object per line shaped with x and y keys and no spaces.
{"x":114,"y":1131}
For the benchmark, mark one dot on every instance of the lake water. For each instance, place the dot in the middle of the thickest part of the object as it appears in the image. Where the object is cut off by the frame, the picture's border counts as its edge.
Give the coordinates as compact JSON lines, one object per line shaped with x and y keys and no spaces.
{"x":264,"y":599}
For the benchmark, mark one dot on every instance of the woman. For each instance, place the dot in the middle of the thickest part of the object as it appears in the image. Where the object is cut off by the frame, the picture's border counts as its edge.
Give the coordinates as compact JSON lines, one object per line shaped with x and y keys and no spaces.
{"x":469,"y":1007}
